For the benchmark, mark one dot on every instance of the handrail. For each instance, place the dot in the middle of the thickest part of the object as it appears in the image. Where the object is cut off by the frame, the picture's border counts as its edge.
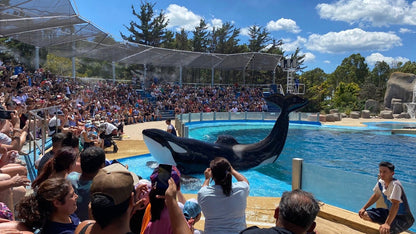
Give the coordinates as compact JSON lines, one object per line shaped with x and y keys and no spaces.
{"x":35,"y":147}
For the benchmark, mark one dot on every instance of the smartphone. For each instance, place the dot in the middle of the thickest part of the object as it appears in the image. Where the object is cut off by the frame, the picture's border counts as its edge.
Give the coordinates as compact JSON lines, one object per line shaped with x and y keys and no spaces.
{"x":162,"y":180}
{"x":6,"y":114}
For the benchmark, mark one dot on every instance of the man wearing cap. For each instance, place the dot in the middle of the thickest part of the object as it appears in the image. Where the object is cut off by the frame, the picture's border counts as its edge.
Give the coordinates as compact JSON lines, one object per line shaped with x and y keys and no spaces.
{"x":112,"y":203}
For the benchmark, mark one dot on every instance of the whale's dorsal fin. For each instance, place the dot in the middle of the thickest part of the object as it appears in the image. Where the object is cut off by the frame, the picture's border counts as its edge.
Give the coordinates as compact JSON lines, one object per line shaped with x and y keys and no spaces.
{"x":226,"y":140}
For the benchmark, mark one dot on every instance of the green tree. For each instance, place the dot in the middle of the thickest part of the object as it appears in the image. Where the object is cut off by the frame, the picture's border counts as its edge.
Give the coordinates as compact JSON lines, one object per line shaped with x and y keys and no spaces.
{"x":200,"y":37}
{"x":152,"y":28}
{"x":346,"y":96}
{"x":225,"y":40}
{"x":352,"y":69}
{"x":181,"y":40}
{"x":300,"y":59}
{"x":316,"y":89}
{"x":59,"y":65}
{"x":276,"y":47}
{"x":375,"y":85}
{"x":259,"y":37}
{"x":407,"y":67}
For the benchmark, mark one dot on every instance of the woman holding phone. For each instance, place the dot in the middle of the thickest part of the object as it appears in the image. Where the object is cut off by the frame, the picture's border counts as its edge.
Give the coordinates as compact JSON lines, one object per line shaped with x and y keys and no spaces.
{"x":156,"y":218}
{"x":223,"y":203}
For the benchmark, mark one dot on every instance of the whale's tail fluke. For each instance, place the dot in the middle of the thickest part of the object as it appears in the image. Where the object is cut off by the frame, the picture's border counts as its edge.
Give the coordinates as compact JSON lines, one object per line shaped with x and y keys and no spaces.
{"x":289,"y":102}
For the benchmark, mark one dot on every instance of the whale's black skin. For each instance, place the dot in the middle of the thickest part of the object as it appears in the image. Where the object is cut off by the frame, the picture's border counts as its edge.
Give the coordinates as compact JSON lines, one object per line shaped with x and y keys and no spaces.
{"x":193,"y":156}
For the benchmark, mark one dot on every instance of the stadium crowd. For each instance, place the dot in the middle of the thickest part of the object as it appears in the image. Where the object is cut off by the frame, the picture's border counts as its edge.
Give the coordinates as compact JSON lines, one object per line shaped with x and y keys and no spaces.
{"x":71,"y":177}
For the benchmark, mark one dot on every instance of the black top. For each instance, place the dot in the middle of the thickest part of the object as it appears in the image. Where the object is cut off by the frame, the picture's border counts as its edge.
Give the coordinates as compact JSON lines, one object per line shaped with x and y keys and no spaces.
{"x":273,"y":230}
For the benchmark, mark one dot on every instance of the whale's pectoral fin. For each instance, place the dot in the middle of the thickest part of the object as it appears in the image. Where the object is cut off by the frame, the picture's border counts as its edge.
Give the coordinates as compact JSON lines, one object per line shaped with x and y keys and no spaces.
{"x":226,"y":140}
{"x":177,"y":148}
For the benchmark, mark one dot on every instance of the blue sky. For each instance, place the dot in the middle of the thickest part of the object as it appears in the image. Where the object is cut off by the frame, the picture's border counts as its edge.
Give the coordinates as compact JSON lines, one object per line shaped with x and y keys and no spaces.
{"x":326,"y":31}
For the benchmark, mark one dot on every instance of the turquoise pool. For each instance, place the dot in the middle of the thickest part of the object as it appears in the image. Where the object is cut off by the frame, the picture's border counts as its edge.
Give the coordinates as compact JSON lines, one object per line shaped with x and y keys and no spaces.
{"x":343,"y":150}
{"x":350,"y":149}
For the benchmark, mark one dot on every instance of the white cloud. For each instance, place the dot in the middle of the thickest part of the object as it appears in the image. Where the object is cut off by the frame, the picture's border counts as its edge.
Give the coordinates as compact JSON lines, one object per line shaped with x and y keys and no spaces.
{"x":309,"y":57}
{"x":291,"y":46}
{"x":374,"y":12}
{"x":352,"y":40}
{"x":244,"y":31}
{"x":180,"y":17}
{"x":283,"y":24}
{"x":217,"y":23}
{"x":406,"y":30}
{"x":373,"y":58}
{"x":327,"y":61}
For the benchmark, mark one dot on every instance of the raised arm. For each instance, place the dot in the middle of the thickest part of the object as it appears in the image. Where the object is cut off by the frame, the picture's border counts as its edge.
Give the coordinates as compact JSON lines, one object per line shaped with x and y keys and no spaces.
{"x":177,"y":220}
{"x":238,"y":176}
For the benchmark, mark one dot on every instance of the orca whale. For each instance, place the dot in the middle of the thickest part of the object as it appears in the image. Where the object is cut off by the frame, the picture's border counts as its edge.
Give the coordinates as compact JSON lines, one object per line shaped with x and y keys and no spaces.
{"x":192,"y":156}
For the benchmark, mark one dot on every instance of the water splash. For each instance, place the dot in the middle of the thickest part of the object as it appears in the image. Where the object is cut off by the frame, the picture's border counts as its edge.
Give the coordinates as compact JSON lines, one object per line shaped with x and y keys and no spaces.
{"x":411,"y":107}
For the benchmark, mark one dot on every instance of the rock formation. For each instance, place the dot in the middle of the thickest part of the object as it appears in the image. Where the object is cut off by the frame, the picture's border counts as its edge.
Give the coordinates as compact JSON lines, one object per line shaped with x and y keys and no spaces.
{"x":399,"y":86}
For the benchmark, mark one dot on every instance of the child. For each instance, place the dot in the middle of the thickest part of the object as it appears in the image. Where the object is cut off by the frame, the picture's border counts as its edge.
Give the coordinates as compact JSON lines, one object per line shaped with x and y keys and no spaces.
{"x":192,"y":213}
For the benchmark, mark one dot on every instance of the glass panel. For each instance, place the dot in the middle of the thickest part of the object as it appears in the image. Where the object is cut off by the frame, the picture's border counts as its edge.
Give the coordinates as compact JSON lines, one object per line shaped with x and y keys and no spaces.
{"x":238,"y":116}
{"x":208,"y":116}
{"x":349,"y":191}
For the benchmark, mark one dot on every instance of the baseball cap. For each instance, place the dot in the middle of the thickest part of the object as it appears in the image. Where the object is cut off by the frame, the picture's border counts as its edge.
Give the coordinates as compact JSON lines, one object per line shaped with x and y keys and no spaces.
{"x":117,"y":185}
{"x":120,"y":167}
{"x":191,"y":209}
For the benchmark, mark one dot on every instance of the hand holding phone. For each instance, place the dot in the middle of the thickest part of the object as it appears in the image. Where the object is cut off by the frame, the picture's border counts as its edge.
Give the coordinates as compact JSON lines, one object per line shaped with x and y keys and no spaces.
{"x":162,"y":180}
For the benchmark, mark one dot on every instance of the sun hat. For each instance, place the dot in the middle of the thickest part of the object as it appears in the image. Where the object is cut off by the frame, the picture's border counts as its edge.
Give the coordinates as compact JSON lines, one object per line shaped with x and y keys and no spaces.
{"x":118,"y":185}
{"x":191,"y":209}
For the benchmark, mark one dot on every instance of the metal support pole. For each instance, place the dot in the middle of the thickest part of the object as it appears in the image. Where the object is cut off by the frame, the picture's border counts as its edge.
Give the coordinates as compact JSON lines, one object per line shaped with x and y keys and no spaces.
{"x":212,"y":76}
{"x":73,"y":68}
{"x":180,"y":76}
{"x":144,"y":73}
{"x":297,"y":173}
{"x":37,"y":57}
{"x":113,"y":66}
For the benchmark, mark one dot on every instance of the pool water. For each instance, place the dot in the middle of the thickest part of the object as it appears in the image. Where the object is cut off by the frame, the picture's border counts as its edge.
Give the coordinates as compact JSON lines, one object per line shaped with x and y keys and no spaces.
{"x":354,"y":149}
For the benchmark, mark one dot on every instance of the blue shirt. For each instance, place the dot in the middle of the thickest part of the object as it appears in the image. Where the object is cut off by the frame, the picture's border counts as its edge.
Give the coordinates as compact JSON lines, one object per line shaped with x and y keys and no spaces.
{"x":61,"y":228}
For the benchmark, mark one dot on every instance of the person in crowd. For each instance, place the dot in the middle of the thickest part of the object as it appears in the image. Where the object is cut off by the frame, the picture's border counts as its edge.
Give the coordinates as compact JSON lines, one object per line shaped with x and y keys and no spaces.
{"x":8,"y":163}
{"x":107,"y":131}
{"x":295,"y":214}
{"x":112,"y":204}
{"x":12,"y":190}
{"x":57,"y":140}
{"x":92,"y":160}
{"x":192,"y":213}
{"x":51,"y":209}
{"x":56,"y":123}
{"x":89,"y":137}
{"x":59,"y":166}
{"x":223,"y":203}
{"x":156,"y":218}
{"x":12,"y":137}
{"x":396,"y":217}
{"x":171,"y":129}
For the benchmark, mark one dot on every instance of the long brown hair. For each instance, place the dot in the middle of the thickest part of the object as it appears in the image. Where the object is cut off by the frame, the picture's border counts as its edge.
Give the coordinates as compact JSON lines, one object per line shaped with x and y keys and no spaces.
{"x":63,"y":160}
{"x":38,"y":207}
{"x":221,"y":173}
